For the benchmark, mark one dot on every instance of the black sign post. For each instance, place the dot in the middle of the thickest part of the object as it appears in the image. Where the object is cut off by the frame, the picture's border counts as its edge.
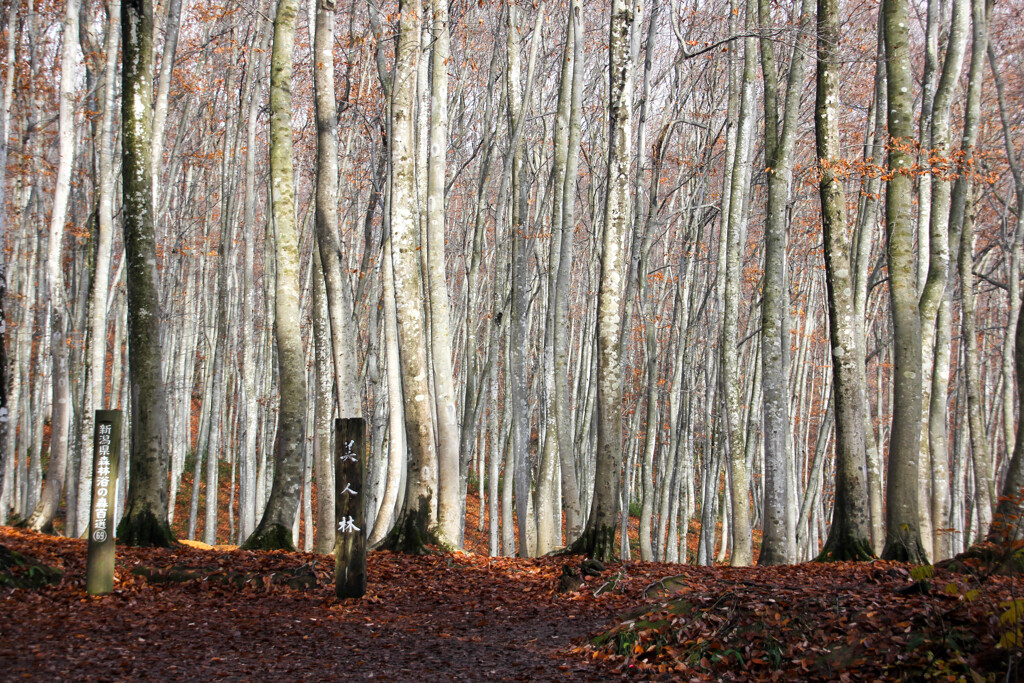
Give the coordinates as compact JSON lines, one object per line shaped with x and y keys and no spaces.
{"x":106,"y":452}
{"x":349,"y":509}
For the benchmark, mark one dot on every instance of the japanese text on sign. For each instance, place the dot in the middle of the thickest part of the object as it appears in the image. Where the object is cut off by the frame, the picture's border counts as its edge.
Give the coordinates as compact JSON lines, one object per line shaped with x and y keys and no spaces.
{"x":99,"y":523}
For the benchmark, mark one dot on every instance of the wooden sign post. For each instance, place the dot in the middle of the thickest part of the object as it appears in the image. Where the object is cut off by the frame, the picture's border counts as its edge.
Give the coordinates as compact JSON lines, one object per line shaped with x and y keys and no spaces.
{"x":106,"y":452}
{"x":349,"y":508}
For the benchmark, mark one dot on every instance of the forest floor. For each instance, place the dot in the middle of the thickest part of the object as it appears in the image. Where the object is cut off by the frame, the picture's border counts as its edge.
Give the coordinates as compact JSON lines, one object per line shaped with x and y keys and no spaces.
{"x":190,"y":613}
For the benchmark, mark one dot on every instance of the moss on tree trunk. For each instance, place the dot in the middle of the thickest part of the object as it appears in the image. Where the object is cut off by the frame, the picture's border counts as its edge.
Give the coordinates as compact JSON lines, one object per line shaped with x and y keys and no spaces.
{"x":412,"y":533}
{"x":144,"y":529}
{"x":270,"y":537}
{"x":597,"y":542}
{"x":846,"y":549}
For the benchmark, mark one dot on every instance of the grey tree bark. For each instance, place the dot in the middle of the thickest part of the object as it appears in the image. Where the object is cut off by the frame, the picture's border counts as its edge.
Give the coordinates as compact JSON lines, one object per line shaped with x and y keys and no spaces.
{"x":339,"y":299}
{"x":598,"y":538}
{"x":416,"y":522}
{"x":933,"y":481}
{"x":145,"y":515}
{"x":903,"y":535}
{"x":46,"y":508}
{"x":275,"y":528}
{"x":849,"y":537}
{"x":778,"y":544}
{"x":449,"y":504}
{"x":742,"y":552}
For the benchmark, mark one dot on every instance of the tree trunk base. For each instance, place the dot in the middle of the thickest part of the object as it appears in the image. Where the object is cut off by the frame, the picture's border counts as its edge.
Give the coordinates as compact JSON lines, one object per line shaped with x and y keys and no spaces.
{"x":597,"y":543}
{"x":271,"y":537}
{"x":903,"y":548}
{"x":410,"y":536}
{"x":769,"y":557}
{"x":27,"y":524}
{"x":846,"y":548}
{"x":144,"y":530}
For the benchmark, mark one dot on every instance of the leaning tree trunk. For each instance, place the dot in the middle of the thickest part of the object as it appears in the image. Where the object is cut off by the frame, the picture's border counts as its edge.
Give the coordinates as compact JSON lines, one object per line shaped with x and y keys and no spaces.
{"x":339,"y":300}
{"x":46,"y":508}
{"x":145,"y":515}
{"x":275,"y":528}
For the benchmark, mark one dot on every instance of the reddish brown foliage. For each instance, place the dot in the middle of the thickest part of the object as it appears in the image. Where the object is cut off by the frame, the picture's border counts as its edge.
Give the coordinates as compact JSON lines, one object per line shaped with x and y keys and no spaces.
{"x":447,"y":617}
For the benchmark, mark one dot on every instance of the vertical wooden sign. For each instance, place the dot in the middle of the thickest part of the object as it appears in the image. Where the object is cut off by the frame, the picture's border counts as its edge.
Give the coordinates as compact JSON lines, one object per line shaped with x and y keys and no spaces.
{"x":106,"y":452}
{"x":349,"y":508}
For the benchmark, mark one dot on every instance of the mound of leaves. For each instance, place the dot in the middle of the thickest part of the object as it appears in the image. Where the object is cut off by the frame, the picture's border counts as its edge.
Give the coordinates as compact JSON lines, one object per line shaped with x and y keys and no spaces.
{"x":21,"y":571}
{"x":845,"y":621}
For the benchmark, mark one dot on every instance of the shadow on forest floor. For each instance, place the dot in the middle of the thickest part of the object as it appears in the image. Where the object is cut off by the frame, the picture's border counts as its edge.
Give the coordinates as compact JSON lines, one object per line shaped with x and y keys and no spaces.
{"x":189,"y":613}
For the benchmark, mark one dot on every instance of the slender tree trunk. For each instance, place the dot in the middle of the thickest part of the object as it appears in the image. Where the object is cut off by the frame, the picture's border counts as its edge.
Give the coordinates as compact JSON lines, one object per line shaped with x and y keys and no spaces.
{"x":449,"y":508}
{"x":275,"y":528}
{"x":163,"y":91}
{"x":323,"y":454}
{"x":396,"y":426}
{"x":777,"y":547}
{"x":247,"y":489}
{"x":850,"y":534}
{"x":517,"y":377}
{"x":598,"y":539}
{"x":1005,"y":522}
{"x":416,"y":522}
{"x":903,"y":535}
{"x":95,"y":355}
{"x":8,"y":398}
{"x":961,"y":220}
{"x":933,"y":488}
{"x":864,"y":239}
{"x":742,"y":553}
{"x":343,"y":330}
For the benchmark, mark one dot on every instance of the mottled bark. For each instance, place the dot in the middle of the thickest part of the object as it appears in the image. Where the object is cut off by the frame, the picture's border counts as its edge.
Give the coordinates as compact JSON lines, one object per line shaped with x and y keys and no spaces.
{"x":46,"y":508}
{"x":903,"y":536}
{"x":145,"y":515}
{"x":417,"y":520}
{"x":742,"y":551}
{"x":323,"y":454}
{"x":339,"y":299}
{"x":933,"y":483}
{"x":598,"y":538}
{"x":274,"y":530}
{"x":778,"y":543}
{"x":850,"y":535}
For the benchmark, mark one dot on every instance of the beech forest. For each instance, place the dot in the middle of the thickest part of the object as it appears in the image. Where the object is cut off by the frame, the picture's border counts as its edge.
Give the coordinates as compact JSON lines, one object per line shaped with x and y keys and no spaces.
{"x":661,"y":283}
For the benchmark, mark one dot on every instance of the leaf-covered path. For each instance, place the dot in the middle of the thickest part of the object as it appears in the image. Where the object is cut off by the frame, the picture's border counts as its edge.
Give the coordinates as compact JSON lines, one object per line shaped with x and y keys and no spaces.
{"x":460,"y":617}
{"x":467,"y":617}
